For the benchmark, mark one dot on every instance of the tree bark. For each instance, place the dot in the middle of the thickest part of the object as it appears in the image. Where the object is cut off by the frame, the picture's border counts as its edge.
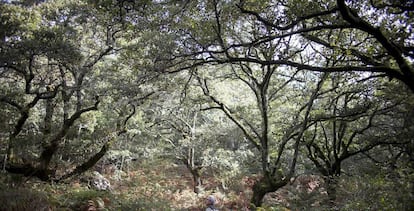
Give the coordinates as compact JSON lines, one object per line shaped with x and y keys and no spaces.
{"x":264,"y":186}
{"x":197,"y":179}
{"x":331,"y":181}
{"x":331,"y":185}
{"x":88,"y":164}
{"x":406,"y":75}
{"x":195,"y":171}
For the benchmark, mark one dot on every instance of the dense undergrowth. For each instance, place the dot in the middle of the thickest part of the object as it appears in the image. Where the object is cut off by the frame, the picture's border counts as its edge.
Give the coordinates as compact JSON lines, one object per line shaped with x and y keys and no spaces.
{"x":162,"y":186}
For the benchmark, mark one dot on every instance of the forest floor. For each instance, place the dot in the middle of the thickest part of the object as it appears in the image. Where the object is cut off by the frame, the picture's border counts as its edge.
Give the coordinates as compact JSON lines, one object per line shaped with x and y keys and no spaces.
{"x":149,"y":187}
{"x":158,"y":186}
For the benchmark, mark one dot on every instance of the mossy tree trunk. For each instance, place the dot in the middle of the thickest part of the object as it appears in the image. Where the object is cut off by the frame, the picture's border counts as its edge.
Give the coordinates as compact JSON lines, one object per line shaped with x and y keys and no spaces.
{"x":196,"y":172}
{"x":266,"y":185}
{"x":331,"y":186}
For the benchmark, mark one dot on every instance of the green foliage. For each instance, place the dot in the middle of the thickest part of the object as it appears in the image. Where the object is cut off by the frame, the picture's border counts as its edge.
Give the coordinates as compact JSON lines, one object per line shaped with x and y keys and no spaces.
{"x":271,"y":208}
{"x":11,"y":180}
{"x":17,"y":20}
{"x":375,"y":192}
{"x":257,"y":58}
{"x":228,"y":164}
{"x":145,"y":204}
{"x":23,"y":199}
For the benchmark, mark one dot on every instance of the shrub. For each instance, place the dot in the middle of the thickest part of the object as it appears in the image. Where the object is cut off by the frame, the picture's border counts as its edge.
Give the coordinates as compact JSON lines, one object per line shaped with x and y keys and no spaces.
{"x":23,"y":199}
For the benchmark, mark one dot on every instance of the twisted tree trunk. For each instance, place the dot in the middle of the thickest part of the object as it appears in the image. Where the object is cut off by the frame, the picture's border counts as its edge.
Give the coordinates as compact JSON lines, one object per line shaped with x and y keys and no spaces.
{"x":266,"y":185}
